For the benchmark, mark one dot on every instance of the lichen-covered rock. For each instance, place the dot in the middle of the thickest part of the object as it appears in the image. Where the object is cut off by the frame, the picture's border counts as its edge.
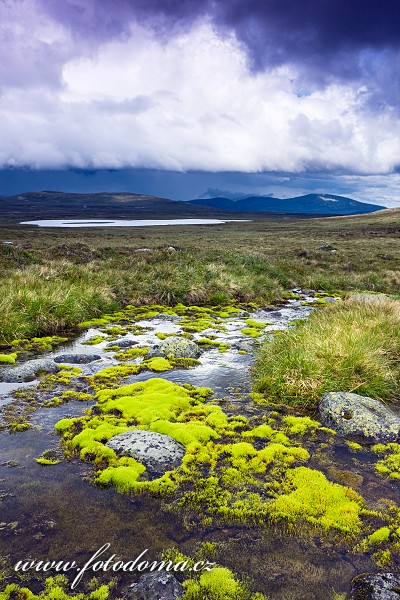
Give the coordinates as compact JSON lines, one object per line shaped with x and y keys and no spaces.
{"x":156,"y":451}
{"x":178,"y":347}
{"x":359,"y":416}
{"x":28,"y":370}
{"x":375,"y":586}
{"x":154,"y":586}
{"x":77,"y":359}
{"x":368,"y":297}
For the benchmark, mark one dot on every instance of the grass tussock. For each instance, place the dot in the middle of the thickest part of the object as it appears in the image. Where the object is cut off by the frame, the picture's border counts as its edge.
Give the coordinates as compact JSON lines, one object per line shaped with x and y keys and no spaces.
{"x":352,"y":346}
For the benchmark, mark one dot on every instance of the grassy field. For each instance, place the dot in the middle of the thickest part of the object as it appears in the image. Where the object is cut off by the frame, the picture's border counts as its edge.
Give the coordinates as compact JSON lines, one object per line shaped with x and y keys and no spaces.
{"x":351,"y":346}
{"x":53,"y":278}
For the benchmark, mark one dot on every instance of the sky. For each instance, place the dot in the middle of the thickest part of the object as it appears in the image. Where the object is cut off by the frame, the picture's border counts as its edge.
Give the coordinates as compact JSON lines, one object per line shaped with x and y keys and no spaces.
{"x":193,"y":98}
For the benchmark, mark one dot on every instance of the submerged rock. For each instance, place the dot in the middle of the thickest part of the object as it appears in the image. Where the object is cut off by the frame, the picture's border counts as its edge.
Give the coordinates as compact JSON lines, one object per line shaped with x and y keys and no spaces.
{"x":77,"y":359}
{"x":124,"y":343}
{"x":359,"y":416}
{"x":178,"y":347}
{"x":152,"y":586}
{"x":28,"y":370}
{"x":376,"y":586}
{"x":156,"y":451}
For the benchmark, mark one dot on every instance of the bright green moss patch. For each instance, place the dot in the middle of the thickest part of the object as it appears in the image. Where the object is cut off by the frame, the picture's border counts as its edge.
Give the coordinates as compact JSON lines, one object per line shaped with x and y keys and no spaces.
{"x":309,"y":497}
{"x":39,"y":344}
{"x":95,"y":340}
{"x":47,"y":461}
{"x":255,"y":324}
{"x":251,"y":331}
{"x":55,"y":589}
{"x":63,"y":377}
{"x":389,"y":465}
{"x":75,"y":395}
{"x":113,"y":375}
{"x":8,"y":358}
{"x":157,"y":364}
{"x":218,"y":584}
{"x":300,"y":425}
{"x":354,"y":446}
{"x":131,"y":353}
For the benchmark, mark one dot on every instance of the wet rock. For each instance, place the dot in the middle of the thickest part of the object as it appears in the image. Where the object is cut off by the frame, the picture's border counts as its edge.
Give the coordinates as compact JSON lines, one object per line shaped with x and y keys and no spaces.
{"x":375,"y":586}
{"x":178,"y":347}
{"x":124,"y":343}
{"x":156,"y":451}
{"x":243,"y":345}
{"x":365,"y":297}
{"x":326,"y":247}
{"x":359,"y":416}
{"x":77,"y":359}
{"x":28,"y":370}
{"x":151,"y":586}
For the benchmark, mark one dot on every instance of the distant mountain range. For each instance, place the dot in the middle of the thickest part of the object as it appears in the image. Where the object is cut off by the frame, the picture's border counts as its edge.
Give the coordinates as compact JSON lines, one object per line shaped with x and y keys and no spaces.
{"x":319,"y":204}
{"x":56,"y":205}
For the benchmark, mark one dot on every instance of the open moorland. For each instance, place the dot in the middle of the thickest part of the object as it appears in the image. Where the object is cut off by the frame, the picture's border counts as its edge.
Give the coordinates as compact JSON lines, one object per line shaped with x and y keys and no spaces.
{"x":266,"y":352}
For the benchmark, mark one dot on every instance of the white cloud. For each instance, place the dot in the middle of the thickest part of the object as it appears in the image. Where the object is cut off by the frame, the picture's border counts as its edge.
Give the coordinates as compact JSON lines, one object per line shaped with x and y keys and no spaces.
{"x":187,"y":103}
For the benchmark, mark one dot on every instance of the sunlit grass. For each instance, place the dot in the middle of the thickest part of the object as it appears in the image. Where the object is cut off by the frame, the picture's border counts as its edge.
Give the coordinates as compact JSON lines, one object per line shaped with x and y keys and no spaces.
{"x":352,"y":346}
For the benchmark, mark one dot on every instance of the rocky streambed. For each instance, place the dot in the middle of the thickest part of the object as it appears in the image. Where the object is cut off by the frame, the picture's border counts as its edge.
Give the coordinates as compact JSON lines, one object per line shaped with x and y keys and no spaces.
{"x":76,"y":497}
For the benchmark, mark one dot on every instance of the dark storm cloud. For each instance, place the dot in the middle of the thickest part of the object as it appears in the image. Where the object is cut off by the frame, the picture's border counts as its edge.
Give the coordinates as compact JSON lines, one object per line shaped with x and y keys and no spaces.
{"x":318,"y":33}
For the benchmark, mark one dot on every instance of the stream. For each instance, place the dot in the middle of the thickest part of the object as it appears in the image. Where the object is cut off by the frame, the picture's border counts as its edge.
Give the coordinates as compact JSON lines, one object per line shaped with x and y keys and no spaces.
{"x":57,"y":513}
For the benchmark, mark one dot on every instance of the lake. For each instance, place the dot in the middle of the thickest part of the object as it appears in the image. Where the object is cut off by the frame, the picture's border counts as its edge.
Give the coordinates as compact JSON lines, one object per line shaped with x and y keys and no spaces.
{"x":128,"y":222}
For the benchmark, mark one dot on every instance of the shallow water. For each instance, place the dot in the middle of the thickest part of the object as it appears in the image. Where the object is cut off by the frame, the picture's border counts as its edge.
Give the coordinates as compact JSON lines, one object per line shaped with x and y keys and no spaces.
{"x":128,"y":222}
{"x":56,"y":513}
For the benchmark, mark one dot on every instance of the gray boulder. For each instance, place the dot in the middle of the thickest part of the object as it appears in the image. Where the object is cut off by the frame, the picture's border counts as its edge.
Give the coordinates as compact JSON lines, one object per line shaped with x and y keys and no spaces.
{"x":178,"y":347}
{"x":124,"y":343}
{"x":359,"y":416}
{"x":156,"y":451}
{"x":28,"y":370}
{"x":368,"y":297}
{"x":375,"y":586}
{"x":77,"y":359}
{"x":154,"y":586}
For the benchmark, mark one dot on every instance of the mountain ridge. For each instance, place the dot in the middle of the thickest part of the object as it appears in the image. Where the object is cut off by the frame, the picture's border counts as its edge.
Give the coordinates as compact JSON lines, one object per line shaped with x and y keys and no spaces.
{"x":320,"y":204}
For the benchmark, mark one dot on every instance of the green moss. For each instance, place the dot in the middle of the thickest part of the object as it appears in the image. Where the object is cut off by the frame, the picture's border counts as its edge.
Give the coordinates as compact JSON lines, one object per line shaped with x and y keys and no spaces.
{"x":300,"y":425}
{"x":162,"y":336}
{"x":218,"y":584}
{"x":63,"y":377}
{"x":132,"y":353}
{"x":47,"y":461}
{"x":75,"y":395}
{"x":95,"y":340}
{"x":251,"y":331}
{"x":8,"y":358}
{"x":157,"y":364}
{"x":354,"y":446}
{"x":389,"y":465}
{"x":255,"y":324}
{"x":382,"y":558}
{"x":55,"y":589}
{"x":18,"y":426}
{"x":39,"y":343}
{"x":379,"y":536}
{"x":309,"y":497}
{"x":113,"y":375}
